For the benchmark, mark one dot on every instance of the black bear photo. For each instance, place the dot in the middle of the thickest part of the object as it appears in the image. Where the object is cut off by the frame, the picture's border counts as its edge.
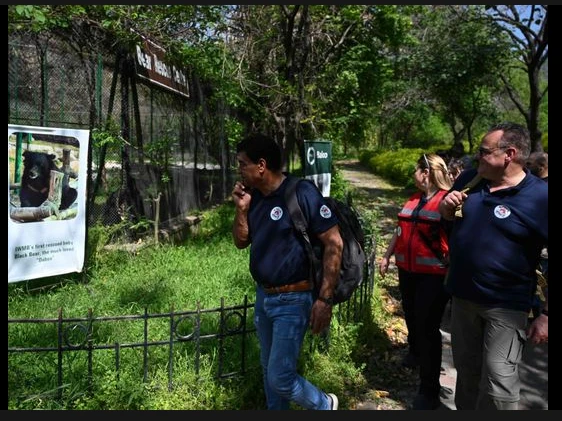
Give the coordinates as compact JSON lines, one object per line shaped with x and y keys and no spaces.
{"x":34,"y":190}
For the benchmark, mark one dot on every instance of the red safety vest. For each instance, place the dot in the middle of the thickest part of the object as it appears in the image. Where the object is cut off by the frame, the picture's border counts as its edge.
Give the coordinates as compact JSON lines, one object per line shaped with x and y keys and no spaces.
{"x":422,"y":245}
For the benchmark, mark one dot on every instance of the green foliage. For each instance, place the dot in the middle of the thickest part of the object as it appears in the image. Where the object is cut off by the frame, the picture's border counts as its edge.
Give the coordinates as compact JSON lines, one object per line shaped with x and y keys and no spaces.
{"x":336,"y":370}
{"x":460,"y":63}
{"x":398,"y":75}
{"x":125,"y":393}
{"x":397,"y":166}
{"x":42,"y":17}
{"x":234,"y":130}
{"x":431,"y":132}
{"x":216,"y":224}
{"x":365,"y":156}
{"x":108,"y":136}
{"x":338,"y":186}
{"x":413,"y":125}
{"x":355,"y":82}
{"x":98,"y":237}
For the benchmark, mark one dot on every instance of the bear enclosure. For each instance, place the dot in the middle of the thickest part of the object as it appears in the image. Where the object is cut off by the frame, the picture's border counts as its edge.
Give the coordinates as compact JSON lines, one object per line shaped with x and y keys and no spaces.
{"x":156,"y":154}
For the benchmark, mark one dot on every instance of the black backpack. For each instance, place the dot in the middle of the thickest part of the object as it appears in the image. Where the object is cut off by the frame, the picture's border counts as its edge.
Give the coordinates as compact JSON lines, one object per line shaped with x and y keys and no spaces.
{"x":353,"y":258}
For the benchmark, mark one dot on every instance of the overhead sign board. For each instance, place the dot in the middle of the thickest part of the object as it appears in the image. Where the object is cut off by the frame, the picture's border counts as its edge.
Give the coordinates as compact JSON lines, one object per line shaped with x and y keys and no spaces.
{"x":150,"y":66}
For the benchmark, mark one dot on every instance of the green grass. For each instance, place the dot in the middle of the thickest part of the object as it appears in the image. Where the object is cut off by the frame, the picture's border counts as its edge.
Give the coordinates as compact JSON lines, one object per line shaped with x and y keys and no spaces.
{"x":205,"y":269}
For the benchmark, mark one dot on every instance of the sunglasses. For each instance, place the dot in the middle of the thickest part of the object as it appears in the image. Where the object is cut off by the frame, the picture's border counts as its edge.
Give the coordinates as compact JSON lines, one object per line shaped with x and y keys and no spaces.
{"x":426,"y":162}
{"x":484,"y":152}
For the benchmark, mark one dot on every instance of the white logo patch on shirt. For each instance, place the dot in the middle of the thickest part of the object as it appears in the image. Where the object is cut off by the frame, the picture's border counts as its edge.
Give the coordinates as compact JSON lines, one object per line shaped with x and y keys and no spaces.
{"x":325,"y":212}
{"x":501,"y":211}
{"x":276,"y":213}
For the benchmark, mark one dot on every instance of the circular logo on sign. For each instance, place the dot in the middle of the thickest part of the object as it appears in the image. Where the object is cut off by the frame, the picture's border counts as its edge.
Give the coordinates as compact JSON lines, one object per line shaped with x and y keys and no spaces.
{"x":501,"y":211}
{"x":325,"y":212}
{"x":276,"y":213}
{"x":310,"y":155}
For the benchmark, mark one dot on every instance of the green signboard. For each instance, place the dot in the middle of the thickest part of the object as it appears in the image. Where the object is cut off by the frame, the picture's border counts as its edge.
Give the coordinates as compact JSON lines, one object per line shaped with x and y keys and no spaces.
{"x":318,"y":164}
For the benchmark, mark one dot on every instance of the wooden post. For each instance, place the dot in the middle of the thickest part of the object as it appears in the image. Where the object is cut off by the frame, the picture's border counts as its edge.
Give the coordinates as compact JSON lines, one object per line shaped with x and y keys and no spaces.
{"x":156,"y":217}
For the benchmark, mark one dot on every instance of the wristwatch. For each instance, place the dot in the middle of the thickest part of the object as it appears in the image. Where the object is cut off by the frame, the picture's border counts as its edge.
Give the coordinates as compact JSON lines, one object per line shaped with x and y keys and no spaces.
{"x":327,"y":300}
{"x":544,"y":311}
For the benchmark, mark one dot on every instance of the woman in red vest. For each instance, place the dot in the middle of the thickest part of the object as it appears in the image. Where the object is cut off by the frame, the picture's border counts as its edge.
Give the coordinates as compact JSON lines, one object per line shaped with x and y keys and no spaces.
{"x":420,"y":249}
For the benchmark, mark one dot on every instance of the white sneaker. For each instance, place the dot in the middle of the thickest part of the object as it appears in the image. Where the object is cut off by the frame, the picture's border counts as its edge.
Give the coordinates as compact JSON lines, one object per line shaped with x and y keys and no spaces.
{"x":335,"y":401}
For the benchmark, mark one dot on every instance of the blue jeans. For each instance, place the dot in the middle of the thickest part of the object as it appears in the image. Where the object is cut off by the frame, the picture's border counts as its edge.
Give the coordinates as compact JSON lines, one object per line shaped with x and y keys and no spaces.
{"x":281,"y":322}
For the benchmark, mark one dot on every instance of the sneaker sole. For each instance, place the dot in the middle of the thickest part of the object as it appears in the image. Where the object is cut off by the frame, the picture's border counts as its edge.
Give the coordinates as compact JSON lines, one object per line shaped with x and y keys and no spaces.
{"x":335,"y":401}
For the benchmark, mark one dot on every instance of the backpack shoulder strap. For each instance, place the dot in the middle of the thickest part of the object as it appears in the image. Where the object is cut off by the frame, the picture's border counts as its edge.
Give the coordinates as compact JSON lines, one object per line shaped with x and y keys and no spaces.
{"x":299,"y":221}
{"x":295,"y":210}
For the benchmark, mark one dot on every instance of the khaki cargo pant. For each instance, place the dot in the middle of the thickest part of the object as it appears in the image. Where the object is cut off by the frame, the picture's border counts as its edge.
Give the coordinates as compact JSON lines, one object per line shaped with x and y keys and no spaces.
{"x":487,"y":345}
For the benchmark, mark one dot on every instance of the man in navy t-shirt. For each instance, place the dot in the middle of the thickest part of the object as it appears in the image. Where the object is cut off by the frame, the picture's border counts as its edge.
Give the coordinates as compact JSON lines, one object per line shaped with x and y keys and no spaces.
{"x":286,"y":302}
{"x":500,"y":226}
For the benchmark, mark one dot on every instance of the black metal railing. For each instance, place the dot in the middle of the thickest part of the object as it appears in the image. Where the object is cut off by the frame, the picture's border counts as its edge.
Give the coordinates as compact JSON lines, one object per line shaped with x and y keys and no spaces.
{"x":196,"y":335}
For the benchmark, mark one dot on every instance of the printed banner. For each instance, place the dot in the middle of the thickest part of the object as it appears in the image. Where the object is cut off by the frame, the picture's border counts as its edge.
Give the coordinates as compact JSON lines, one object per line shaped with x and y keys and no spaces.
{"x":318,"y":164}
{"x":47,"y":173}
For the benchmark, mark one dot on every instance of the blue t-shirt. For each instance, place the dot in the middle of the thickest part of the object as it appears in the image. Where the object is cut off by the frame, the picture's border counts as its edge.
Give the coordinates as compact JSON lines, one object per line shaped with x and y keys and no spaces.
{"x":495,"y":246}
{"x":277,"y":253}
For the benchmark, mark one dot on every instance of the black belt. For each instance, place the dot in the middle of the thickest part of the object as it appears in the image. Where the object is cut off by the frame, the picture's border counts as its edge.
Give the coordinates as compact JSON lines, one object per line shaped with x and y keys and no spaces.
{"x":299,"y":286}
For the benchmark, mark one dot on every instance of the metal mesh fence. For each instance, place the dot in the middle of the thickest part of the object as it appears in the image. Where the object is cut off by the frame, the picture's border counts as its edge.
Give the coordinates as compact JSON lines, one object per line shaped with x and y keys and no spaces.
{"x":47,"y":85}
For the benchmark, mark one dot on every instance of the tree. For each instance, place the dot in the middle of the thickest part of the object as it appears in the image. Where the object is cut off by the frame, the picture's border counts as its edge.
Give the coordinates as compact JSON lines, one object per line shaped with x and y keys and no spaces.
{"x":460,"y":59}
{"x":527,"y":28}
{"x":316,"y":69}
{"x":355,"y":89}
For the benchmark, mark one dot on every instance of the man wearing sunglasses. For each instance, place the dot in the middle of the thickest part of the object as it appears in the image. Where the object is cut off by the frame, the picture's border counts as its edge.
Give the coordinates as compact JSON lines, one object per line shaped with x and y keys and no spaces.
{"x":494,"y":248}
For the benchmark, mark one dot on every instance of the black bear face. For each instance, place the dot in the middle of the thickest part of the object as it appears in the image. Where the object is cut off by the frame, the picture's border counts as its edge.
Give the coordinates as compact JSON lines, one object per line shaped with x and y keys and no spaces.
{"x":35,"y":181}
{"x":37,"y":167}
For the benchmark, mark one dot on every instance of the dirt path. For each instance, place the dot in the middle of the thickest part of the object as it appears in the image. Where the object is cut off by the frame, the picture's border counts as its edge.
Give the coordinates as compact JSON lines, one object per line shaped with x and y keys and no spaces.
{"x":393,"y":387}
{"x":373,"y":192}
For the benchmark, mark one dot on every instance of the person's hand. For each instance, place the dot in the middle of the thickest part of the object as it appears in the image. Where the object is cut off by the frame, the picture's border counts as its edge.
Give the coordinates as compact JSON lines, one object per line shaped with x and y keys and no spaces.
{"x":451,"y":202}
{"x":241,"y":196}
{"x":537,"y":332}
{"x":320,"y":317}
{"x":453,"y":199}
{"x":383,"y":266}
